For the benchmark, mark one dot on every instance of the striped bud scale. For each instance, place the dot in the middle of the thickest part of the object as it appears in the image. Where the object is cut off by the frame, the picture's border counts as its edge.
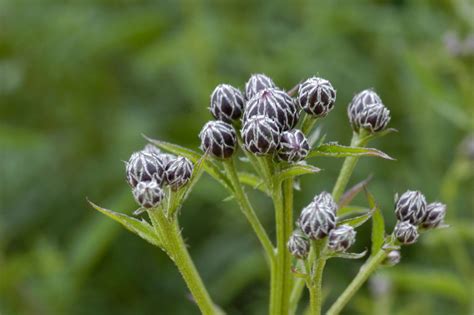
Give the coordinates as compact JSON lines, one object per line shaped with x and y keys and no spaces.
{"x":373,"y":118}
{"x":148,"y":194}
{"x":178,"y":172}
{"x":406,"y":233}
{"x":219,"y":139}
{"x":316,"y":96}
{"x":393,"y":258}
{"x":227,"y":103}
{"x":317,"y":220}
{"x":293,"y":146}
{"x":260,"y":135}
{"x":144,"y":166}
{"x":256,"y":83}
{"x":411,"y":206}
{"x":327,"y":199}
{"x":298,"y":245}
{"x":150,"y":148}
{"x":362,"y":100}
{"x":341,"y":238}
{"x":435,"y":213}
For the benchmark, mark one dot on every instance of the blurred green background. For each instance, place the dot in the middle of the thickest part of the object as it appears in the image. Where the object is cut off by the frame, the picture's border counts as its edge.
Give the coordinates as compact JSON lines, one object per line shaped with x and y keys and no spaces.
{"x":80,"y":81}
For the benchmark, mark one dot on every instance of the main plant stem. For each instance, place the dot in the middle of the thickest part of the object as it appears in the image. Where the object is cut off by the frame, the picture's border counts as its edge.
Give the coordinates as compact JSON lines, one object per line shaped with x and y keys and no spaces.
{"x":176,"y":249}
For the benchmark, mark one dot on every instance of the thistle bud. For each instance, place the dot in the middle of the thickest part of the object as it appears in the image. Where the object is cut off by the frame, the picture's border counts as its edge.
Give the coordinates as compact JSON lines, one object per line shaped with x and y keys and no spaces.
{"x":260,"y":135}
{"x":227,"y":103}
{"x":406,"y":233}
{"x":367,"y":111}
{"x":411,"y":206}
{"x":317,"y":220}
{"x":341,"y":238}
{"x":143,"y":167}
{"x":316,"y":96}
{"x":275,"y":104}
{"x":435,"y":213}
{"x":393,"y":258}
{"x":166,"y":158}
{"x":361,"y":101}
{"x":218,"y":138}
{"x":293,"y":146}
{"x":150,"y":148}
{"x":327,"y":199}
{"x":298,"y":245}
{"x":148,"y":194}
{"x":256,"y":83}
{"x":178,"y":172}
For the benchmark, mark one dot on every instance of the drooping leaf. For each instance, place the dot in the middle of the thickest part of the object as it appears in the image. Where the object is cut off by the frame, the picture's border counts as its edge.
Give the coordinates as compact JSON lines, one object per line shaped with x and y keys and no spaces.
{"x":333,"y":149}
{"x":349,"y":255}
{"x":296,"y":170}
{"x":378,"y":224}
{"x":139,"y":227}
{"x":353,"y":191}
{"x":357,"y":220}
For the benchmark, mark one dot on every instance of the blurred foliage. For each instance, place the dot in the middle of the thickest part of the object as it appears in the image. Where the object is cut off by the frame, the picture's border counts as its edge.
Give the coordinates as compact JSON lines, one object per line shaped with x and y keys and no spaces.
{"x":80,"y":81}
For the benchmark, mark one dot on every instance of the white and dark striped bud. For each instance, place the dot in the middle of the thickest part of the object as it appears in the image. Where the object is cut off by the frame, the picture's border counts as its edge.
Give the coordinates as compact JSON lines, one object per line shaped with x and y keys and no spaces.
{"x":316,"y":96}
{"x":219,"y":139}
{"x":293,"y":146}
{"x":361,"y":101}
{"x":435,"y":213}
{"x":178,"y":172}
{"x":411,"y":206}
{"x":143,"y":167}
{"x":366,"y":111}
{"x":298,"y":245}
{"x":150,"y":148}
{"x":406,"y":233}
{"x":393,"y":258}
{"x":148,"y":194}
{"x":341,"y":238}
{"x":327,"y":199}
{"x":261,"y":135}
{"x":317,"y":220}
{"x":227,"y":103}
{"x":166,"y":158}
{"x":274,"y":104}
{"x":256,"y":83}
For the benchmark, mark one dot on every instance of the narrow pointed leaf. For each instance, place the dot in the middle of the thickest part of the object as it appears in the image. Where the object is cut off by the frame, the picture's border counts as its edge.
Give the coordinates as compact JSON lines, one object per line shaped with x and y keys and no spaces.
{"x":252,"y":180}
{"x":353,"y":191}
{"x":333,"y":149}
{"x":348,"y":211}
{"x":378,"y":224}
{"x":379,"y":134}
{"x":349,"y":255}
{"x":139,"y":227}
{"x":357,"y":220}
{"x":297,"y":170}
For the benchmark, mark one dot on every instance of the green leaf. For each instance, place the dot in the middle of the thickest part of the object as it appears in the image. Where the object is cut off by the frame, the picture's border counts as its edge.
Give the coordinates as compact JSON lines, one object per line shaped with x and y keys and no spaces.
{"x":296,"y":170}
{"x":332,"y":149}
{"x":252,"y":180}
{"x":349,"y":255}
{"x":378,"y":224}
{"x":351,"y":211}
{"x":379,"y":134}
{"x":210,"y":167}
{"x":353,"y":191}
{"x":139,"y":227}
{"x":357,"y":220}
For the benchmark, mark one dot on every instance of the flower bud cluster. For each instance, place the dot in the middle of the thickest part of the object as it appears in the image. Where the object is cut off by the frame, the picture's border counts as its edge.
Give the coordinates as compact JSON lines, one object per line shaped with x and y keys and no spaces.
{"x":148,"y":170}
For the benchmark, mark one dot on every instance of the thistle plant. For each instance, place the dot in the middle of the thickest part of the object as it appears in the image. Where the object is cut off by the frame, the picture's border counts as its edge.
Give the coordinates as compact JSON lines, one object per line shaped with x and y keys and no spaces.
{"x":264,"y":139}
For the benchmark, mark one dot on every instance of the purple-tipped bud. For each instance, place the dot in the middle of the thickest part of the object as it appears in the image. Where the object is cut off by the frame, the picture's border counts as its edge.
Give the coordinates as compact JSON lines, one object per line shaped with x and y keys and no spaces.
{"x":341,"y":238}
{"x":143,"y":167}
{"x":411,"y":206}
{"x":435,"y":213}
{"x":219,"y":139}
{"x":393,"y":258}
{"x":406,"y":233}
{"x":261,"y":135}
{"x":316,"y":96}
{"x":317,"y":220}
{"x":256,"y":83}
{"x":274,"y":104}
{"x":293,"y":146}
{"x":227,"y":103}
{"x":327,"y":199}
{"x":366,"y":111}
{"x":178,"y":172}
{"x":298,"y":245}
{"x":148,"y":194}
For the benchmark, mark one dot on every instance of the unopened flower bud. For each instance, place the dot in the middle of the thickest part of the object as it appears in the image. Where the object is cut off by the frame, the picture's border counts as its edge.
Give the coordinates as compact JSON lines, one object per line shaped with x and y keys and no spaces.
{"x":293,"y":146}
{"x":298,"y":245}
{"x":406,"y":233}
{"x":367,"y":111}
{"x":144,"y":166}
{"x":148,"y":194}
{"x":435,"y":213}
{"x":316,"y":96}
{"x":219,"y":139}
{"x":261,"y":135}
{"x":327,"y":199}
{"x":393,"y":258}
{"x":341,"y":238}
{"x":178,"y":172}
{"x":256,"y":83}
{"x":411,"y":206}
{"x":361,"y":101}
{"x":227,"y":103}
{"x":317,"y":220}
{"x":150,"y":148}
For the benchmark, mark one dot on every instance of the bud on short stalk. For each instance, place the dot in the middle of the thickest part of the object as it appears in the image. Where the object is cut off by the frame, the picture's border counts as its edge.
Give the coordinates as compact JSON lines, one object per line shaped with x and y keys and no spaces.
{"x":178,"y":172}
{"x":227,"y":103}
{"x":411,"y":206}
{"x":256,"y":83}
{"x":435,"y":213}
{"x":366,"y":111}
{"x":219,"y":139}
{"x":393,"y":258}
{"x":317,"y":220}
{"x":406,"y":233}
{"x":148,"y":194}
{"x":144,"y":166}
{"x":298,"y":245}
{"x":316,"y":96}
{"x":261,"y":135}
{"x":341,"y":238}
{"x":293,"y":146}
